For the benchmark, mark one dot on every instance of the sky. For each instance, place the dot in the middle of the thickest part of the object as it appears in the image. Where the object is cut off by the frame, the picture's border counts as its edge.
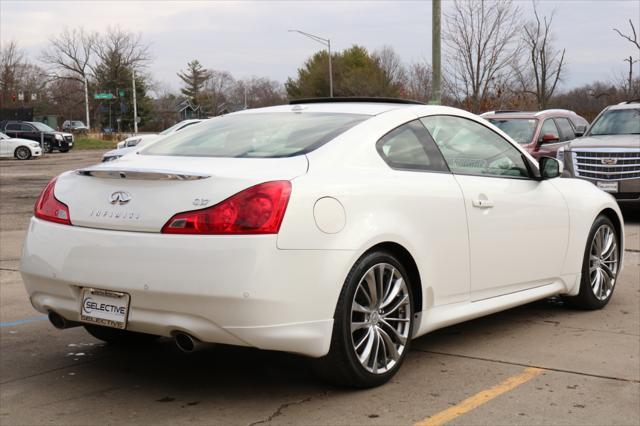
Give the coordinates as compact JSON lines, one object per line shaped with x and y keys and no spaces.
{"x":250,"y":38}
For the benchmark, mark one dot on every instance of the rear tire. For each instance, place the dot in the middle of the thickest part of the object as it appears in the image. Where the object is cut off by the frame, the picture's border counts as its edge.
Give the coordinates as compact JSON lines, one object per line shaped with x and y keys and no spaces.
{"x":116,"y":336}
{"x":373,"y":324}
{"x":600,"y":266}
{"x":22,"y":153}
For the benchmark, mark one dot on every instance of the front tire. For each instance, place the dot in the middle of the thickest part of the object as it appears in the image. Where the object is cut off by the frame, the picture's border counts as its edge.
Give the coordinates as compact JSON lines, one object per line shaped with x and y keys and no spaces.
{"x":23,"y":153}
{"x":115,"y":336}
{"x":600,"y":266}
{"x":48,"y":147}
{"x":373,"y":323}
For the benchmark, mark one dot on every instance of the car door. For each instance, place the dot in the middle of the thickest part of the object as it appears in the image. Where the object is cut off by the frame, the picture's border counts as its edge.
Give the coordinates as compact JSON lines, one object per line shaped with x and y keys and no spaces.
{"x":4,"y":146}
{"x":430,"y":203}
{"x":13,"y":130}
{"x":29,"y":132}
{"x":518,"y":226}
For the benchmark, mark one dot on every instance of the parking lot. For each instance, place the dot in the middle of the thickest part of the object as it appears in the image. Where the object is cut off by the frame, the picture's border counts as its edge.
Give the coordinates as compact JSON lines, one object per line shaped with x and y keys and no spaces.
{"x":542,"y":363}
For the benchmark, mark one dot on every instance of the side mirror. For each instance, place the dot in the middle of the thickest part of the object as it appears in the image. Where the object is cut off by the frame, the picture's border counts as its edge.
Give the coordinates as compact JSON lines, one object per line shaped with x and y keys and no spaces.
{"x":550,"y":168}
{"x":550,"y":137}
{"x":580,"y":130}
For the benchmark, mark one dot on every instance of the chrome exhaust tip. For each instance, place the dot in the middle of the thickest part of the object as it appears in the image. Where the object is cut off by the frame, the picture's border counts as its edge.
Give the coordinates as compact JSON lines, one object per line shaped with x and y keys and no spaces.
{"x":189,"y":344}
{"x":59,"y":322}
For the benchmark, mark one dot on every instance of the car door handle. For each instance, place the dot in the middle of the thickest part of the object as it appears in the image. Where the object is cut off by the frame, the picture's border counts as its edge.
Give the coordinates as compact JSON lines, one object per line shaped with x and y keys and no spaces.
{"x":483,"y":204}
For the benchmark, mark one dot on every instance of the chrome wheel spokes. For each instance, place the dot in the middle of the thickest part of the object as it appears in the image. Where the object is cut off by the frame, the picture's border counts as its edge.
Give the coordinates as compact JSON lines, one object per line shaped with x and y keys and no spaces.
{"x":380,"y":318}
{"x":603,"y":262}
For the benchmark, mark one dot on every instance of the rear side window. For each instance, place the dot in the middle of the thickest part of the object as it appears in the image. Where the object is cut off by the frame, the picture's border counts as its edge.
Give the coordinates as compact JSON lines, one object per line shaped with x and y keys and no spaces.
{"x":566,"y":129}
{"x":410,"y":147}
{"x":259,"y":135}
{"x":13,"y":126}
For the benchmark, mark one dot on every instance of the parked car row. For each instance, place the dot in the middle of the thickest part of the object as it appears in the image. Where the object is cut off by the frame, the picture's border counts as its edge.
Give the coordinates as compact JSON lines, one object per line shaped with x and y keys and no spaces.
{"x":48,"y":138}
{"x":607,"y":153}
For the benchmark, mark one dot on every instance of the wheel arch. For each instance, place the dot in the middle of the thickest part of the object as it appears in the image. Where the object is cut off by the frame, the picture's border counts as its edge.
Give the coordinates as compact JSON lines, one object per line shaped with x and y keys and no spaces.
{"x":407,"y":260}
{"x":613,"y":216}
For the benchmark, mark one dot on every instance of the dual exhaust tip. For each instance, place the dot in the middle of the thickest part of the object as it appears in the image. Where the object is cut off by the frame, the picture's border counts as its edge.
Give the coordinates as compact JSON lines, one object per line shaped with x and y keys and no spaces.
{"x":184,"y":341}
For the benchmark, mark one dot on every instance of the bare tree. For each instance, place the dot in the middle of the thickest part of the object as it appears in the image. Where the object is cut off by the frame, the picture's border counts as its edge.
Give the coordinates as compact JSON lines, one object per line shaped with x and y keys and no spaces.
{"x":630,"y":59}
{"x":11,"y":59}
{"x":70,"y":56}
{"x":634,"y":40}
{"x":481,"y":38}
{"x":217,"y":92}
{"x":393,"y":71}
{"x":418,"y":82}
{"x":544,"y":67}
{"x":127,"y":47}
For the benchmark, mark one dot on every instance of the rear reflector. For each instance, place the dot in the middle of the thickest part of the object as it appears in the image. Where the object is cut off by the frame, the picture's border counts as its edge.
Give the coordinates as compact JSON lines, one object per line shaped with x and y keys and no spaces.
{"x":49,"y":208}
{"x":256,"y":210}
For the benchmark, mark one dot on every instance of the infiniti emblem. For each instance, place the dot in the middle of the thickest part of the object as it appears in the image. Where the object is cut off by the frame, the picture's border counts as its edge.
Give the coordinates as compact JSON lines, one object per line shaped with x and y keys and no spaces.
{"x":120,"y":197}
{"x":609,"y":161}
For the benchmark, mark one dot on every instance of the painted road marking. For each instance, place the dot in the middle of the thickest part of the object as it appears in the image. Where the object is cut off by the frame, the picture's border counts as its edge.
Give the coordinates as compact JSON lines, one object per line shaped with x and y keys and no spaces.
{"x":22,"y":321}
{"x":480,"y":398}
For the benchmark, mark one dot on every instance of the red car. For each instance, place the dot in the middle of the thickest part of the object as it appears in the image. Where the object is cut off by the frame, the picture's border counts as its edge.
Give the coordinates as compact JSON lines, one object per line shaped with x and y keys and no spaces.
{"x":541,"y":133}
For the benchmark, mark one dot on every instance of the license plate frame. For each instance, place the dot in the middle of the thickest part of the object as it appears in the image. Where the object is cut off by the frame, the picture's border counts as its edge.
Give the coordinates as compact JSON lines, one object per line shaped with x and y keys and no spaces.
{"x":104,"y":307}
{"x":611,"y":187}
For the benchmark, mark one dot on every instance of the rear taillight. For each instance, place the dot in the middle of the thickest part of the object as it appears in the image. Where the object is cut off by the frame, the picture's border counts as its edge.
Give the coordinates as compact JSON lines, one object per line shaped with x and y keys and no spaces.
{"x":256,"y":210}
{"x":49,"y":208}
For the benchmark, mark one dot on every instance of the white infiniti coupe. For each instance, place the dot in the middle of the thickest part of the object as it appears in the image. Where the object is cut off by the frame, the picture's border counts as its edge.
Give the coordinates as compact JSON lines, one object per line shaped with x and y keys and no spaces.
{"x":338,"y":230}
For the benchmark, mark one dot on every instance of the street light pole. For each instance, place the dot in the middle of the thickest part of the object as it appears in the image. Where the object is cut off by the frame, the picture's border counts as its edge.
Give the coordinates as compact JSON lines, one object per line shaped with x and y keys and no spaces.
{"x":325,"y":42}
{"x":135,"y":104}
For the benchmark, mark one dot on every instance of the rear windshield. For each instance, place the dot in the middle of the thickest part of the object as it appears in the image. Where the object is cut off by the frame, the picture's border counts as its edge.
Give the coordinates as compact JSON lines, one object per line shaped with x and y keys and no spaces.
{"x":259,"y":135}
{"x":520,"y":129}
{"x":617,"y":122}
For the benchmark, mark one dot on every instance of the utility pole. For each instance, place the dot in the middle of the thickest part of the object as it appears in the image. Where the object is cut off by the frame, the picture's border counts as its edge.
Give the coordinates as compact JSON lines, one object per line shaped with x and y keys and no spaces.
{"x":436,"y":83}
{"x":86,"y":101}
{"x":135,"y":105}
{"x":630,"y":88}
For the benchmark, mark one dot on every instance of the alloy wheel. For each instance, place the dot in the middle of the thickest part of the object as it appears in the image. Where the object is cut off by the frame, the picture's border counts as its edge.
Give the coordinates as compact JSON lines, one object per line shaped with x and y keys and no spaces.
{"x":380,"y":318}
{"x":603,"y":262}
{"x":22,"y":153}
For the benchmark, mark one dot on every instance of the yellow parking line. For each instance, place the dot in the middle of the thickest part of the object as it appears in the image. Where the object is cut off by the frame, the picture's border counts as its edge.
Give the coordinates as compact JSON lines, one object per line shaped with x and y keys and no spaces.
{"x":480,"y":398}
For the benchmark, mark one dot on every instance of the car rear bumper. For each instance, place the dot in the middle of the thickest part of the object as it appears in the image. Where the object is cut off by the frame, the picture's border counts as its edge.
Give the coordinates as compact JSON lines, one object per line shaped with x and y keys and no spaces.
{"x":239,"y":290}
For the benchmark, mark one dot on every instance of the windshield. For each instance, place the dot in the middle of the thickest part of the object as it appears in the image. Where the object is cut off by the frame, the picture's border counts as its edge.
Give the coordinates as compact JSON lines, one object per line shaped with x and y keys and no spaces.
{"x":42,"y":127}
{"x":617,"y":122}
{"x":259,"y":135}
{"x":3,"y":136}
{"x":520,"y":129}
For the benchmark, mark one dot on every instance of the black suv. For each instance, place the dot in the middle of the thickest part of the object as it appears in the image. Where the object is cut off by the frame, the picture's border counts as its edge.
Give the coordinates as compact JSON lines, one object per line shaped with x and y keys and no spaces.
{"x":39,"y":132}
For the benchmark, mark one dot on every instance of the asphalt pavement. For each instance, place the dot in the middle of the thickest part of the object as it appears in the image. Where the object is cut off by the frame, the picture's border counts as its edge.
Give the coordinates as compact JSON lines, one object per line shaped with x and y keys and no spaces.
{"x":539,"y":364}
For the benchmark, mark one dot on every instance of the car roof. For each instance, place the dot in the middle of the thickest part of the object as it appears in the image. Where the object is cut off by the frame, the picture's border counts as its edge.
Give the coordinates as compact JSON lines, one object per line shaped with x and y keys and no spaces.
{"x":626,"y":105}
{"x":362,"y":108}
{"x":530,"y":114}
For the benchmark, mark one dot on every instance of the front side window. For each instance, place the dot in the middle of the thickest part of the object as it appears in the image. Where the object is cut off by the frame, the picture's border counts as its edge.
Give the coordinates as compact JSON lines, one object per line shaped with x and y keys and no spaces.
{"x":471,"y":148}
{"x":549,"y":128}
{"x":256,"y":135}
{"x":41,"y":127}
{"x":566,"y":129}
{"x":409,"y":147}
{"x":521,"y":130}
{"x":617,"y":122}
